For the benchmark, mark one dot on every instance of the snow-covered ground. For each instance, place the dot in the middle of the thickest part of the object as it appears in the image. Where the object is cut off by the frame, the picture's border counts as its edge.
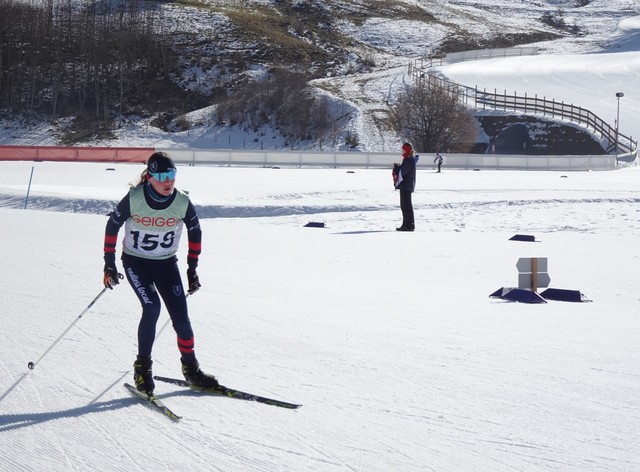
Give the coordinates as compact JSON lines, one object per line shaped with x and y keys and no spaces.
{"x":389,"y":340}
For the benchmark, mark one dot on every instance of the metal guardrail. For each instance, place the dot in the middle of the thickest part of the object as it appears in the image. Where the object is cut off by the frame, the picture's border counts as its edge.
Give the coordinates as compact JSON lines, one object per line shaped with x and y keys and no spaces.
{"x":374,"y":160}
{"x":625,"y":148}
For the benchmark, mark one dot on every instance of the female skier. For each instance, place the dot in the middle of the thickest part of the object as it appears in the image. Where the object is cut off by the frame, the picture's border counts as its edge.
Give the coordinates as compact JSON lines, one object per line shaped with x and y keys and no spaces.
{"x":153,"y":214}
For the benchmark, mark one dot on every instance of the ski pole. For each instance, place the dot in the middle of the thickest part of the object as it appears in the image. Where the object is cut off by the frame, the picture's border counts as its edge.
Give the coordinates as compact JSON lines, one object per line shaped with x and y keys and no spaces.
{"x":31,"y":365}
{"x":166,"y":323}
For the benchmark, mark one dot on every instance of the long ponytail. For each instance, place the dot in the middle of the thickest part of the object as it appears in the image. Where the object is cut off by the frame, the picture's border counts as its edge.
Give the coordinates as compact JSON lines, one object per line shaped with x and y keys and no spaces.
{"x":141,"y":180}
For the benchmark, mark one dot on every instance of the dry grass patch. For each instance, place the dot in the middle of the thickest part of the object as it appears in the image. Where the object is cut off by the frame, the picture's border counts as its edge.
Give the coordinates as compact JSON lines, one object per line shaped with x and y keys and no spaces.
{"x":359,"y":11}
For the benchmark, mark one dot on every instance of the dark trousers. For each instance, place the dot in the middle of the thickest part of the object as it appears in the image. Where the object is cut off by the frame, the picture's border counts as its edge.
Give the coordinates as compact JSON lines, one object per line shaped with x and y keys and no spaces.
{"x":407,"y":209}
{"x":151,"y":280}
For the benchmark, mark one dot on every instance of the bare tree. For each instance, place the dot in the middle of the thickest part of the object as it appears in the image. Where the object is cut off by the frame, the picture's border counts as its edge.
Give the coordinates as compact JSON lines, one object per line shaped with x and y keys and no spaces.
{"x":433,"y":120}
{"x":94,"y":60}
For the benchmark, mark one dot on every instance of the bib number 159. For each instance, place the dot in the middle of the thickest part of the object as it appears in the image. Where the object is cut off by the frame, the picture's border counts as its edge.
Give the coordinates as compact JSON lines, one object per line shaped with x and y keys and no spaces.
{"x":150,"y":241}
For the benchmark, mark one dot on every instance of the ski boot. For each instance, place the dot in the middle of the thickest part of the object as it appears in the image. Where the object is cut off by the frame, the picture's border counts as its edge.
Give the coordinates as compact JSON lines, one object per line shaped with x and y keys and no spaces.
{"x":198,"y":379}
{"x":142,"y":376}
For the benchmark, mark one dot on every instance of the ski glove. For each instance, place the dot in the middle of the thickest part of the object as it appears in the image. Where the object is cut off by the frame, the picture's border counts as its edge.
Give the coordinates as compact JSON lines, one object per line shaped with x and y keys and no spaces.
{"x":111,"y":276}
{"x":194,"y":281}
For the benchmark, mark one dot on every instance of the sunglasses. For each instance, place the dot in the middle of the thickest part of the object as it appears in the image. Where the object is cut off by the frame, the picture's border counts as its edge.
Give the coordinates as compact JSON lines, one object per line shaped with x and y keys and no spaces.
{"x":162,"y":176}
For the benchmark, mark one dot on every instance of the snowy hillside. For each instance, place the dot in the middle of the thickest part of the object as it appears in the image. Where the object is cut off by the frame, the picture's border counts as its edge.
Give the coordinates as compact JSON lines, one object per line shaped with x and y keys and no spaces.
{"x":391,"y":37}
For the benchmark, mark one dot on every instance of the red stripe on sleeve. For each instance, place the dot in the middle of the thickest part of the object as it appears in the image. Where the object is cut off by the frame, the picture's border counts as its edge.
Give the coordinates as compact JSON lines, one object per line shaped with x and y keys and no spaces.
{"x":110,"y":243}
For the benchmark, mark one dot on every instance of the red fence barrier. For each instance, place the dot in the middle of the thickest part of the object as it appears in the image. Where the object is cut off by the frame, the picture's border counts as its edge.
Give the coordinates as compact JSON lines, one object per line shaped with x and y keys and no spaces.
{"x":77,"y":154}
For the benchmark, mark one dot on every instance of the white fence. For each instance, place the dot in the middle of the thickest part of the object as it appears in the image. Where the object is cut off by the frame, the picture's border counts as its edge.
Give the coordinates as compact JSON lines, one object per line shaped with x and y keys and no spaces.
{"x":490,"y":54}
{"x":528,"y":162}
{"x":281,"y":158}
{"x":386,"y":160}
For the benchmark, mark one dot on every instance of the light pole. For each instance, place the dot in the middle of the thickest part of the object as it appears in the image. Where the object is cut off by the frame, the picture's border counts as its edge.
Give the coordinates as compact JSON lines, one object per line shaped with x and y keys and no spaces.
{"x":619,"y":95}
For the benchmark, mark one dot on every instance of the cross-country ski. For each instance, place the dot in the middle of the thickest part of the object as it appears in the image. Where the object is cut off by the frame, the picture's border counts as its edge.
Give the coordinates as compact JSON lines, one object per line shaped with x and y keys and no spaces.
{"x":223,"y":391}
{"x":152,"y":402}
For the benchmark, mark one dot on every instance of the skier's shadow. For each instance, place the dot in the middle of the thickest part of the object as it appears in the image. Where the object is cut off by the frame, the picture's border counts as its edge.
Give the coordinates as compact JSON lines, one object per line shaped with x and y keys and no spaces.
{"x":9,"y":422}
{"x":16,"y":421}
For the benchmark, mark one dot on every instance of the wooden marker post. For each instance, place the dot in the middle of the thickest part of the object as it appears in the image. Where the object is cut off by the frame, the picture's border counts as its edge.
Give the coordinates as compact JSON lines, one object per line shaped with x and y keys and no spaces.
{"x":532,"y":273}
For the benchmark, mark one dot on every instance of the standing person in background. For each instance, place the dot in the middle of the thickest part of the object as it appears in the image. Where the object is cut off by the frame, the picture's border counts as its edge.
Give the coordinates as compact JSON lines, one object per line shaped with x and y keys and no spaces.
{"x":153,"y":214}
{"x":404,"y":179}
{"x":438,"y":160}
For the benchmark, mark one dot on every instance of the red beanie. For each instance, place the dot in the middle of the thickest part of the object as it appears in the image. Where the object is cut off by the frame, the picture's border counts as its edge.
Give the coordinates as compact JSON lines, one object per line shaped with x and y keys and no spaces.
{"x":406,"y":148}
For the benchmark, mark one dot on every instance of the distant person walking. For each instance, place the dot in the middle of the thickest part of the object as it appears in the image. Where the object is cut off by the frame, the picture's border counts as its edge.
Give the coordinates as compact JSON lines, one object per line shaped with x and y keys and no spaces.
{"x":153,"y":214}
{"x":438,"y":160}
{"x":404,"y":179}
